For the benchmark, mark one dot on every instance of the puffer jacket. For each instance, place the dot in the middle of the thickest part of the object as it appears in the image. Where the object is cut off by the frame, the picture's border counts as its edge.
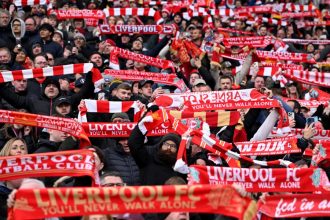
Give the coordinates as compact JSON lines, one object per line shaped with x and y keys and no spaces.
{"x":122,"y":162}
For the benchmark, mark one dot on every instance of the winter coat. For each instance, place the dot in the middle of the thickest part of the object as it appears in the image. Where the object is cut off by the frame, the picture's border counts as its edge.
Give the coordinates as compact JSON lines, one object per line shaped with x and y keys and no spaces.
{"x":43,"y":105}
{"x":153,"y":171}
{"x":18,"y":38}
{"x":46,"y":146}
{"x":6,"y":38}
{"x":52,"y":47}
{"x":122,"y":162}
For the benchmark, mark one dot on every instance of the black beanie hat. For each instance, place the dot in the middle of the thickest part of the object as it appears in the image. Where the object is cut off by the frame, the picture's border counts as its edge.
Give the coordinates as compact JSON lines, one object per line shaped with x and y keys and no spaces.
{"x":51,"y":80}
{"x":172,"y":137}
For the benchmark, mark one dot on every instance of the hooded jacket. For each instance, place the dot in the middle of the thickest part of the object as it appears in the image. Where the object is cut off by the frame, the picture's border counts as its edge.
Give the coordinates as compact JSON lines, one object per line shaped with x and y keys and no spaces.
{"x":43,"y":105}
{"x":152,"y":169}
{"x":18,"y":38}
{"x":118,"y":160}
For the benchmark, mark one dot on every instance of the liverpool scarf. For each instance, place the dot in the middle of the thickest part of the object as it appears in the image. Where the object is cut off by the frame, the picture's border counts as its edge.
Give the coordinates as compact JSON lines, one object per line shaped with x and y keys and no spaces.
{"x":53,"y":202}
{"x":67,"y":125}
{"x":22,"y":3}
{"x":269,"y":147}
{"x":308,"y":77}
{"x":150,"y":12}
{"x":296,"y":205}
{"x":167,"y":79}
{"x":137,"y":29}
{"x":61,"y":163}
{"x":248,"y":41}
{"x":104,"y":106}
{"x":261,"y":179}
{"x":119,"y":52}
{"x":75,"y":13}
{"x":8,"y":76}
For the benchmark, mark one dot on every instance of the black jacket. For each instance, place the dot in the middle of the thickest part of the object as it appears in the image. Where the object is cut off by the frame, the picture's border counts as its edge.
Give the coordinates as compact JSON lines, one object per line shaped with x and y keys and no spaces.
{"x":43,"y":105}
{"x":6,"y":38}
{"x":122,"y":162}
{"x":153,"y":171}
{"x":46,"y":146}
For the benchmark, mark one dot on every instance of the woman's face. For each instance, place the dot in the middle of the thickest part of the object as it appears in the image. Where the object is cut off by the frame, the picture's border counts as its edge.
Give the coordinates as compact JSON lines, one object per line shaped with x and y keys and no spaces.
{"x":20,"y":57}
{"x":112,"y":20}
{"x":18,"y":148}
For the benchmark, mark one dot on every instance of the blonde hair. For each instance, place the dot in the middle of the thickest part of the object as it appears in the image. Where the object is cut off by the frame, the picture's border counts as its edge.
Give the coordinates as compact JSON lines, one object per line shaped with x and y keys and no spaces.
{"x":7,"y":147}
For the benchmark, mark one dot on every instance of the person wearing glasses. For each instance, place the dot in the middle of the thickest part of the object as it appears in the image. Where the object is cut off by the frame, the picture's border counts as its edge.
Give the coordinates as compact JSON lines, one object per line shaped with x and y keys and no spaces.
{"x":155,"y":161}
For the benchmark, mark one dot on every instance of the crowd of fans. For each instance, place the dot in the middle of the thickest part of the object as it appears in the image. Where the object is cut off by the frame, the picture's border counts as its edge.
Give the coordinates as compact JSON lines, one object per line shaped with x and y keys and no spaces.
{"x":30,"y":37}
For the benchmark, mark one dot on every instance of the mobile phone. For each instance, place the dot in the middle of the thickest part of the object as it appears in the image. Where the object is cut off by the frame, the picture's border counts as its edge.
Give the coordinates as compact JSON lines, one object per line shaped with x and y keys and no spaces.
{"x":291,"y":115}
{"x":311,"y":120}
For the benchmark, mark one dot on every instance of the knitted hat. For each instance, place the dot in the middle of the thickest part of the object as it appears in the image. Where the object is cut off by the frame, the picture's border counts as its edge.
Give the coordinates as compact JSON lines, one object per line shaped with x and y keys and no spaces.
{"x":51,"y":80}
{"x":121,"y":115}
{"x":79,"y":35}
{"x":171,"y":137}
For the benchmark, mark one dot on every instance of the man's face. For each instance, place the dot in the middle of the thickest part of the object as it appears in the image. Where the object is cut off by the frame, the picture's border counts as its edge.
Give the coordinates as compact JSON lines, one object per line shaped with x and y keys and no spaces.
{"x":30,"y":25}
{"x":193,"y":77}
{"x":263,"y":31}
{"x":259,"y":83}
{"x":45,"y":34}
{"x":78,"y":23}
{"x":146,"y":90}
{"x":124,"y":144}
{"x":139,"y":65}
{"x":238,"y":25}
{"x":79,"y":42}
{"x":17,"y":27}
{"x":225,"y":84}
{"x":63,"y":108}
{"x":167,"y":152}
{"x":97,"y":59}
{"x":204,"y":88}
{"x":112,"y":181}
{"x":40,"y":62}
{"x":51,"y":91}
{"x":4,"y":20}
{"x":196,"y":34}
{"x":137,"y":45}
{"x":123,"y":94}
{"x":4,"y":56}
{"x":57,"y":136}
{"x":125,"y":39}
{"x":19,"y":85}
{"x":57,"y":38}
{"x":37,"y":49}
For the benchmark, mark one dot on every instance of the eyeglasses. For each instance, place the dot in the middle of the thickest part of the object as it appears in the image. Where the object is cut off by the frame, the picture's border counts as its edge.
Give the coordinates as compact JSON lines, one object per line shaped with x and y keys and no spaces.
{"x":173,"y":146}
{"x":114,"y":184}
{"x":79,"y":38}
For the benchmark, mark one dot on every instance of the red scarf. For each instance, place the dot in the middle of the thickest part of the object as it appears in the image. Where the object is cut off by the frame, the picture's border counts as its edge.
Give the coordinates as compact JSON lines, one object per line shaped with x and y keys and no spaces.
{"x":61,"y":163}
{"x":296,"y":205}
{"x":137,"y":29}
{"x":269,"y":147}
{"x":261,"y":179}
{"x":313,"y":78}
{"x":248,"y":41}
{"x":67,"y":125}
{"x":53,"y":202}
{"x":167,"y":79}
{"x":75,"y":13}
{"x":119,"y":52}
{"x":133,"y":12}
{"x":23,"y":3}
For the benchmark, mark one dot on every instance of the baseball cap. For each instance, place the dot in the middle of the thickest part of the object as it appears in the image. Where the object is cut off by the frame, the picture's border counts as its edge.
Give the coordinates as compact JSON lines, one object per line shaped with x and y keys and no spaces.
{"x":199,"y":81}
{"x":145,"y":81}
{"x":62,"y":100}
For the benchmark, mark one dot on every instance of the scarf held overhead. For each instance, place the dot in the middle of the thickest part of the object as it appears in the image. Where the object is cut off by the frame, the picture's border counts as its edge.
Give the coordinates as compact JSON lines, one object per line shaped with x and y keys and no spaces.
{"x":67,"y":125}
{"x":263,"y":179}
{"x":53,"y":202}
{"x":62,"y":163}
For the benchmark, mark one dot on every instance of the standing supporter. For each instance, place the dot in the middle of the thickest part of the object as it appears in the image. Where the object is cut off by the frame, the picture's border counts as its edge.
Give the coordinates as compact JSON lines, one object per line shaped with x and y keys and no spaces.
{"x":118,"y":157}
{"x":6,"y":37}
{"x":46,"y":32}
{"x":7,"y":59}
{"x":155,"y":162}
{"x":18,"y":29}
{"x":225,"y":82}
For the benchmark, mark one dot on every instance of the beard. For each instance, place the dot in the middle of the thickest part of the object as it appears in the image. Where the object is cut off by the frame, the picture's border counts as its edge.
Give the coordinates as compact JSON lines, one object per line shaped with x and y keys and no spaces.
{"x":168,"y":157}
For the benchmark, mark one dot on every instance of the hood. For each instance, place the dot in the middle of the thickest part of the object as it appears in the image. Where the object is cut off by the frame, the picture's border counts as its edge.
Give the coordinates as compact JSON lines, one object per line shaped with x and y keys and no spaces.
{"x":22,"y":28}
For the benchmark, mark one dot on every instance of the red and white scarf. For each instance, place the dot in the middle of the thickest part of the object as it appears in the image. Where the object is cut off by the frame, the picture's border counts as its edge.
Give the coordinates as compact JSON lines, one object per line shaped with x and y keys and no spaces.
{"x":8,"y":76}
{"x":295,"y":205}
{"x":119,"y":52}
{"x":261,"y":179}
{"x":137,"y":29}
{"x":62,"y":14}
{"x":66,"y":125}
{"x":167,"y":79}
{"x":61,"y":163}
{"x":225,"y":30}
{"x":248,"y":41}
{"x":103,"y":106}
{"x":319,"y":135}
{"x":22,"y":3}
{"x":150,"y":12}
{"x":268,"y":147}
{"x":308,"y":77}
{"x":295,"y":57}
{"x":305,"y":42}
